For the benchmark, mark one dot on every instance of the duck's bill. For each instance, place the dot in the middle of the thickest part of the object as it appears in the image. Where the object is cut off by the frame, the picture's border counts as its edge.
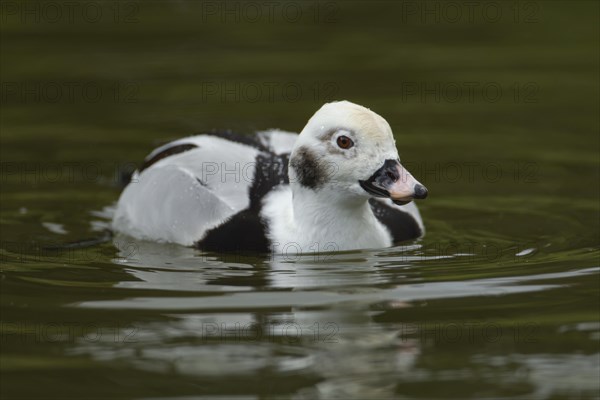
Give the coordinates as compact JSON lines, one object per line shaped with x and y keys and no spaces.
{"x":393,"y":181}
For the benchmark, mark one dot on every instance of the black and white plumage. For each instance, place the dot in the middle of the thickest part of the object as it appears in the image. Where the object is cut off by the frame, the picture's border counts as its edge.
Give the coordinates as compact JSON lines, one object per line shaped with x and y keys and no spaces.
{"x":338,"y":185}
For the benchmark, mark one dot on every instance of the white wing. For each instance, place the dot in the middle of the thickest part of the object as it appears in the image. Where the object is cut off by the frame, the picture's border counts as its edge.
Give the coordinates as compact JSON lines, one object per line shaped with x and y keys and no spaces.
{"x":180,"y":197}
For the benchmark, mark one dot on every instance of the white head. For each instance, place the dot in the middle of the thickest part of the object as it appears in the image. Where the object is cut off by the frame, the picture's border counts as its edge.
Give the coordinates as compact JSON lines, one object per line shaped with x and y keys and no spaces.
{"x":350,"y":150}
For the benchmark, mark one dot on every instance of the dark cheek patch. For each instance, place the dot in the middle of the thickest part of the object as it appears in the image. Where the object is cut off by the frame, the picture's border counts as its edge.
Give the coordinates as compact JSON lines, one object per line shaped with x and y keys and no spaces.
{"x":309,"y":171}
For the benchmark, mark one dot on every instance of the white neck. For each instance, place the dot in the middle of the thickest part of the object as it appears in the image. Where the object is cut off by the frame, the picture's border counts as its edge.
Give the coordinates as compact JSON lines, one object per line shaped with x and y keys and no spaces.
{"x":329,"y":219}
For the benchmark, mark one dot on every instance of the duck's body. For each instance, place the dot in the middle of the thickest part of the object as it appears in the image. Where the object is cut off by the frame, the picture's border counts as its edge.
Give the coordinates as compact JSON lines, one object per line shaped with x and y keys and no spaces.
{"x":227,"y":192}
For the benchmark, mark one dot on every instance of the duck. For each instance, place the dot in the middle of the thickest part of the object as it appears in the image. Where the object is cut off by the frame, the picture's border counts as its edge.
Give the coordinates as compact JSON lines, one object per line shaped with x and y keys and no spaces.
{"x":338,"y":185}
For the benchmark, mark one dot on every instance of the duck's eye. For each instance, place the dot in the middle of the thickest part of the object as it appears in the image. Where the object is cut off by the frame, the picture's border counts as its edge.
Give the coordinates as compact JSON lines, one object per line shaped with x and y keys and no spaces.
{"x":344,"y":142}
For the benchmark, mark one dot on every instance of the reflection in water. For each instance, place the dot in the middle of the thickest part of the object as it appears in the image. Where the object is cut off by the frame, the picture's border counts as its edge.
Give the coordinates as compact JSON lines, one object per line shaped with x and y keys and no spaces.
{"x":346,"y":326}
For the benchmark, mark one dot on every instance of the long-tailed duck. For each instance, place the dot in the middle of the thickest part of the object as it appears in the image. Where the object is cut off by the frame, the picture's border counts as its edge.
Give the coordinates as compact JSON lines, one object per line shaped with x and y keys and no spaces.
{"x":338,"y":185}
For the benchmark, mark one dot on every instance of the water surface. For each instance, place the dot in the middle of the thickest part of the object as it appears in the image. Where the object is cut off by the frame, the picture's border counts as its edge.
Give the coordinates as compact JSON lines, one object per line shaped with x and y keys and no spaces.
{"x":498,"y":300}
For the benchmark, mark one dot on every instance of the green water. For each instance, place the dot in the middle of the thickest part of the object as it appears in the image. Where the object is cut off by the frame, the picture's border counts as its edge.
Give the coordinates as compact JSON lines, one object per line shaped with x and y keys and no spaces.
{"x":498,"y":116}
